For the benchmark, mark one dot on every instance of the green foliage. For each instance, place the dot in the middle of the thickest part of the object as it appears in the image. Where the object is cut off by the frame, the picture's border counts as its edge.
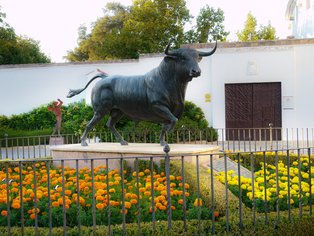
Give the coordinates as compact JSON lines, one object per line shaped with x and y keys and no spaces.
{"x":250,"y":33}
{"x":209,"y":27}
{"x":295,"y":226}
{"x":16,"y":49}
{"x":76,"y":115}
{"x":125,"y":32}
{"x":144,"y":27}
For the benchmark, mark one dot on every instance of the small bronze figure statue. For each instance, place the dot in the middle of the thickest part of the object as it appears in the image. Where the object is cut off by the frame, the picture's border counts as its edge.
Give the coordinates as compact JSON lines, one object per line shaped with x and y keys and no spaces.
{"x":157,"y":96}
{"x":55,"y":107}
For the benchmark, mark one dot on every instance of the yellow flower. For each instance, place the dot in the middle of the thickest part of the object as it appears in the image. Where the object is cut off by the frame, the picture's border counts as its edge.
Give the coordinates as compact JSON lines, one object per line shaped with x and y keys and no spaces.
{"x":305,"y":175}
{"x":196,"y":203}
{"x":295,"y":187}
{"x":295,"y":180}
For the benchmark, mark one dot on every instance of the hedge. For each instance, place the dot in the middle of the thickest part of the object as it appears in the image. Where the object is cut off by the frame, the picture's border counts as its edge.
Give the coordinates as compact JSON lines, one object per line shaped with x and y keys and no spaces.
{"x":295,"y":226}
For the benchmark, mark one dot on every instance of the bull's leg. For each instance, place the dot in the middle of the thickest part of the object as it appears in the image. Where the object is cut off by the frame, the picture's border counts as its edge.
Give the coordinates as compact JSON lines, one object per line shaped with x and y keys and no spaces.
{"x":166,"y":114}
{"x":96,"y":118}
{"x":115,"y":116}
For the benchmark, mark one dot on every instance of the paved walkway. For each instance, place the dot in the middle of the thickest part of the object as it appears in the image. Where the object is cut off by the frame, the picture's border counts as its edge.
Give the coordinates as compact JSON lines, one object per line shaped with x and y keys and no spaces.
{"x":219,"y":166}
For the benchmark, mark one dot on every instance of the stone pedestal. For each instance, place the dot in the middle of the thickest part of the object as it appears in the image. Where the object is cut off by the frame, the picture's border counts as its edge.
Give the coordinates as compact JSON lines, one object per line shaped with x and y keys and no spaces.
{"x":53,"y":141}
{"x":114,"y":152}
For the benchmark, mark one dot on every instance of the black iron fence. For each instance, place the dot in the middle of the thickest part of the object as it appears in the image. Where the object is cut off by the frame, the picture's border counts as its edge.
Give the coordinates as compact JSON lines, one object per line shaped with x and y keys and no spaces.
{"x":218,"y":192}
{"x":227,"y":139}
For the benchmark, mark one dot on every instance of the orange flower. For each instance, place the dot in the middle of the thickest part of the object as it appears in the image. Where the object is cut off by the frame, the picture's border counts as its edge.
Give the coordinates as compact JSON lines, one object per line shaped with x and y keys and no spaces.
{"x":162,"y":208}
{"x":16,"y":205}
{"x":125,"y":211}
{"x":32,"y":216}
{"x":127,"y":205}
{"x":14,"y":190}
{"x":68,"y":201}
{"x":100,"y":198}
{"x":100,"y":206}
{"x":4,"y":213}
{"x":67,"y":192}
{"x":55,"y":204}
{"x":180,"y":201}
{"x":133,"y":201}
{"x":151,"y":209}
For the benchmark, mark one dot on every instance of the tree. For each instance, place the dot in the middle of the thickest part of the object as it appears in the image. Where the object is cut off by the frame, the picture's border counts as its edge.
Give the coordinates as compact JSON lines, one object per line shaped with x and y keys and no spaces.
{"x":145,"y":27}
{"x":16,"y":49}
{"x":208,"y":26}
{"x":106,"y":38}
{"x":267,"y":32}
{"x":250,"y":33}
{"x":153,"y":23}
{"x":125,"y":32}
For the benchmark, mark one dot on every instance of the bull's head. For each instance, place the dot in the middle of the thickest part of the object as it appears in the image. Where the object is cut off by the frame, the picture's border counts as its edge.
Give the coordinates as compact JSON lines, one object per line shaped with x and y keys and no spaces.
{"x":187,"y":60}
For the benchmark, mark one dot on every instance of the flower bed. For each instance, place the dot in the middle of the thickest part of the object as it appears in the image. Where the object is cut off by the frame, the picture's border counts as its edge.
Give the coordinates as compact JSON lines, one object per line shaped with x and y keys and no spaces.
{"x":301,"y":178}
{"x":137,"y":200}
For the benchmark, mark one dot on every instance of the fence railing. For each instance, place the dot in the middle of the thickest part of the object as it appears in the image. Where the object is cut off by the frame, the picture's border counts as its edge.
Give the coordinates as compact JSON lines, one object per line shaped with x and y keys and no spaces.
{"x":166,"y":188}
{"x":227,"y":139}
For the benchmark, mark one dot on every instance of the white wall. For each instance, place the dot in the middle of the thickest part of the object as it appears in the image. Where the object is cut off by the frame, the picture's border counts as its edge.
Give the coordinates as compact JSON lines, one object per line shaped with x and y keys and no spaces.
{"x":26,"y":87}
{"x":304,"y":86}
{"x":291,"y":65}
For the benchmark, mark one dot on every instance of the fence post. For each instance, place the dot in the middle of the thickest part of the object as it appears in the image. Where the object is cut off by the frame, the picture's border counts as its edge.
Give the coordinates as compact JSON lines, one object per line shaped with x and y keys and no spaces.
{"x":167,"y":169}
{"x":6,"y":145}
{"x":271,"y":135}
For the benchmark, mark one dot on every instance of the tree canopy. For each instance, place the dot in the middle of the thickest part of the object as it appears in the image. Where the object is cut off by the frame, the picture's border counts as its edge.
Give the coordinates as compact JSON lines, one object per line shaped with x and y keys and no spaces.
{"x":250,"y":33}
{"x":144,"y":27}
{"x":209,"y":26}
{"x":16,"y":49}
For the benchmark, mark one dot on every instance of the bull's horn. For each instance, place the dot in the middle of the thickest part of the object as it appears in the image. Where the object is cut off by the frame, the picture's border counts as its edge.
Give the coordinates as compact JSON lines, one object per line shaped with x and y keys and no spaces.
{"x":167,"y":52}
{"x":206,"y":54}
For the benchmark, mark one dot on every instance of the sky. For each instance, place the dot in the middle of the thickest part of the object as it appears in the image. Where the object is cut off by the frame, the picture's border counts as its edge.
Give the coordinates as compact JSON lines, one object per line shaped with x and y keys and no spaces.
{"x":55,"y":23}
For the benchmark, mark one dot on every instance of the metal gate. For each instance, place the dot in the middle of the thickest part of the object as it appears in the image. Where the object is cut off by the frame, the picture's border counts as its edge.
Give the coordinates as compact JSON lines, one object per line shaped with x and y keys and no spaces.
{"x":253,"y":111}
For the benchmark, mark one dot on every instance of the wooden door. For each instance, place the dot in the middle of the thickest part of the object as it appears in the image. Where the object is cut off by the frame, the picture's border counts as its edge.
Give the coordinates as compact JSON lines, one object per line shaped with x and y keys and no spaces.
{"x":253,"y":106}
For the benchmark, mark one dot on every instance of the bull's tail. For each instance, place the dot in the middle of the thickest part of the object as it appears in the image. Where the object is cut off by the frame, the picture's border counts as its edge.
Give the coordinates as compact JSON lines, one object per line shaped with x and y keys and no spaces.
{"x":74,"y":92}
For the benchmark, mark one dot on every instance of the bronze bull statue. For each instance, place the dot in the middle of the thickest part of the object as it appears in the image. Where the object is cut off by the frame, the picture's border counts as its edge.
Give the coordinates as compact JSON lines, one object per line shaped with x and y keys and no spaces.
{"x":157,"y":96}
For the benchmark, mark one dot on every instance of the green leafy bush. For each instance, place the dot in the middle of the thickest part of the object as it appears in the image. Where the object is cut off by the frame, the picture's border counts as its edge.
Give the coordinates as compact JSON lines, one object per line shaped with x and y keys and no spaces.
{"x":76,"y":116}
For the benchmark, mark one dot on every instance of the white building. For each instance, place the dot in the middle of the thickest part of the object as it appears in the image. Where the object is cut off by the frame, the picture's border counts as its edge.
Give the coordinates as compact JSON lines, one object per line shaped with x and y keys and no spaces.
{"x":242,"y":84}
{"x":300,"y":15}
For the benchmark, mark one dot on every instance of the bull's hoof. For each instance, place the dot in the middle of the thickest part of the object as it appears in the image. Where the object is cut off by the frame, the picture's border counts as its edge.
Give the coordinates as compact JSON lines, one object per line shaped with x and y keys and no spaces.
{"x":84,"y":144}
{"x":123,"y":142}
{"x":163,"y":143}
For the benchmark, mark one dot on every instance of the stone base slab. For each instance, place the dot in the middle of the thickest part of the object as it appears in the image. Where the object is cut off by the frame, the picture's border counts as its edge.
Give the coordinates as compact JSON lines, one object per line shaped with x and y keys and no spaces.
{"x":56,"y":141}
{"x":99,"y":152}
